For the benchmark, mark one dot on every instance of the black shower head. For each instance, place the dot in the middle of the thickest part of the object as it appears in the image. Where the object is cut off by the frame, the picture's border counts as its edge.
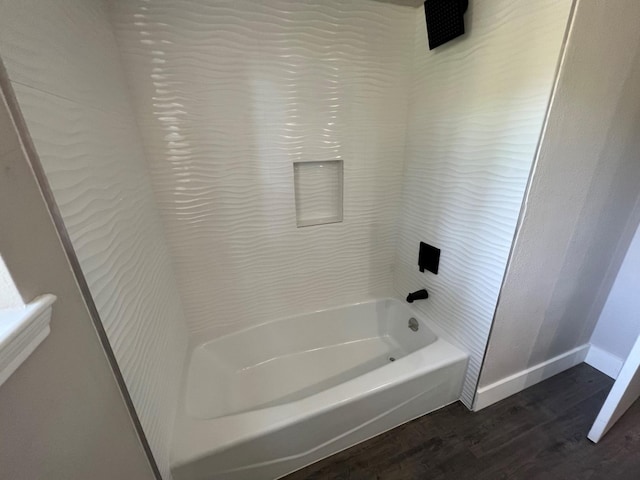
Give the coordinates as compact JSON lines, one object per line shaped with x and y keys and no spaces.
{"x":445,"y":20}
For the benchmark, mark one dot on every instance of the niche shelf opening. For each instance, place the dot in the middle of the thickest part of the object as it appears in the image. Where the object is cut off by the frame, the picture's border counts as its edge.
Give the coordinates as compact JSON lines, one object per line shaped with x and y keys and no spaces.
{"x":318,"y":191}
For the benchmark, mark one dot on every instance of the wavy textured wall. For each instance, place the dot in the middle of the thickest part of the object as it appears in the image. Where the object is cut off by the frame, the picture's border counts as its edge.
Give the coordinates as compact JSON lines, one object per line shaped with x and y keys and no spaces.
{"x":63,"y":60}
{"x":477,"y":109}
{"x":229,"y":94}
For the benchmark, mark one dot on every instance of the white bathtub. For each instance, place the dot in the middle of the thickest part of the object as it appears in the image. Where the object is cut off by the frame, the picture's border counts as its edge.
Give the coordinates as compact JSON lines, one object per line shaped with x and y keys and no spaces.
{"x":266,"y":401}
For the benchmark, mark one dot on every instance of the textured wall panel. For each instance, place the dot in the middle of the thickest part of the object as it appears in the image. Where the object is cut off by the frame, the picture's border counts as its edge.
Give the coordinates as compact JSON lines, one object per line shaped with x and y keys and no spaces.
{"x":477,"y":108}
{"x":229,"y":94}
{"x":63,"y":60}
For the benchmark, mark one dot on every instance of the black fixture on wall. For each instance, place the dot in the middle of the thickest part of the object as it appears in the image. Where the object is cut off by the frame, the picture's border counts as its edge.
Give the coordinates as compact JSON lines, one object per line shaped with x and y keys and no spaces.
{"x":445,"y":20}
{"x":428,"y":258}
{"x":419,"y":295}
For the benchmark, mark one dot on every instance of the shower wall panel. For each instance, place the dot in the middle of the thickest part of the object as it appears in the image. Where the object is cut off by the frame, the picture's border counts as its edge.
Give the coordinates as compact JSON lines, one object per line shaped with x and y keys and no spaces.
{"x":229,"y":94}
{"x":63,"y":61}
{"x":476,"y":112}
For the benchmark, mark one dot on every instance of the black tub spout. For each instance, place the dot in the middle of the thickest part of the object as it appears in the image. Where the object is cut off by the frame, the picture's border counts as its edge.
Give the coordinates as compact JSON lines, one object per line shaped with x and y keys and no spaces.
{"x":419,"y":295}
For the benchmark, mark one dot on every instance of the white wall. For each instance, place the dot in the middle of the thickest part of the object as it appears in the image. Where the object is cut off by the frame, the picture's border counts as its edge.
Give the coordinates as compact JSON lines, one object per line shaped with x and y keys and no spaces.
{"x":62,"y":415}
{"x":64,"y":64}
{"x":229,"y":94}
{"x":476,"y":112}
{"x":619,"y":323}
{"x":581,"y":200}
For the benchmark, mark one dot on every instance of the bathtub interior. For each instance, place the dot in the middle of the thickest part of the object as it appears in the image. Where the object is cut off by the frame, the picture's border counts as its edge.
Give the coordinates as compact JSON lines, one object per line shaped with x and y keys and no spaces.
{"x":292,"y":358}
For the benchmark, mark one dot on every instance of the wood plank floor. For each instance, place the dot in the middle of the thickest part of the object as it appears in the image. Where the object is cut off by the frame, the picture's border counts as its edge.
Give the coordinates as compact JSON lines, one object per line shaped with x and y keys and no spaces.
{"x":539,"y":433}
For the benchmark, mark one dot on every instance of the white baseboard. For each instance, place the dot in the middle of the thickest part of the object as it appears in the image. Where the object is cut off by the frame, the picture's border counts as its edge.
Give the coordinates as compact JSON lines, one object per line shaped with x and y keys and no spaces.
{"x":519,"y":381}
{"x":606,"y":362}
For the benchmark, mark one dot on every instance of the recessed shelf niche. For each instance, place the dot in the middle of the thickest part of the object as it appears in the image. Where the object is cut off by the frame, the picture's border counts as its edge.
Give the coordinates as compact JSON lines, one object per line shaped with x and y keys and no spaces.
{"x":318,"y":191}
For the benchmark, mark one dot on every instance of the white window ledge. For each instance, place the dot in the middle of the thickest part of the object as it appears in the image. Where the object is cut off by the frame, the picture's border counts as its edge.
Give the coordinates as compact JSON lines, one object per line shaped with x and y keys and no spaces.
{"x":21,"y":331}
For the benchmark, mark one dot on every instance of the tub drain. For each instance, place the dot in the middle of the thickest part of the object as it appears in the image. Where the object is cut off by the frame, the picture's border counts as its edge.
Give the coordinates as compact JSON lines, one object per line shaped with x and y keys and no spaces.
{"x":392,"y":359}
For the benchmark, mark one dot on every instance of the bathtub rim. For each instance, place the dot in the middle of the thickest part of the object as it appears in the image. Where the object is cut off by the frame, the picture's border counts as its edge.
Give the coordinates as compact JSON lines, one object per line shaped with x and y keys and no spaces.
{"x":197,"y":339}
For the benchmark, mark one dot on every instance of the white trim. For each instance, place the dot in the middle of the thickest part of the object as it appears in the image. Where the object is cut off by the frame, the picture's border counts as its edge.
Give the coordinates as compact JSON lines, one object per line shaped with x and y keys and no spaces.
{"x":625,"y":391}
{"x":21,"y":331}
{"x":606,"y":362}
{"x":517,"y":382}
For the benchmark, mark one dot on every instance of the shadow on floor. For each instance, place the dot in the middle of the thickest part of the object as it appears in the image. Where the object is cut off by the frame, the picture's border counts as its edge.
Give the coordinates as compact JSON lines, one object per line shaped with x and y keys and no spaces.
{"x":540,"y":433}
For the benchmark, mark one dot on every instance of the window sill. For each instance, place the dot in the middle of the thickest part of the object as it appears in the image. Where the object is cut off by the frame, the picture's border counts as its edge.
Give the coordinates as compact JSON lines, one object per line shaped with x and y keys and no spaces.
{"x":21,"y":331}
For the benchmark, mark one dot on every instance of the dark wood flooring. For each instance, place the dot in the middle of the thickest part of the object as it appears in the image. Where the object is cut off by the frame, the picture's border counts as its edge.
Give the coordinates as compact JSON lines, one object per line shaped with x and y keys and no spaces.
{"x":539,"y":433}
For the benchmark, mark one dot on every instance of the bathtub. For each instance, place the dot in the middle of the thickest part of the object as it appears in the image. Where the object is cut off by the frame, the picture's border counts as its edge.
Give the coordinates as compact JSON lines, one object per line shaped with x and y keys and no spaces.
{"x":266,"y":401}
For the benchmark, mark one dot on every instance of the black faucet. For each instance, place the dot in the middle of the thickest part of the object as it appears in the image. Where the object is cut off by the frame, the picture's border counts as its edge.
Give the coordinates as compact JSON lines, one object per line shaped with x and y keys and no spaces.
{"x":419,"y":295}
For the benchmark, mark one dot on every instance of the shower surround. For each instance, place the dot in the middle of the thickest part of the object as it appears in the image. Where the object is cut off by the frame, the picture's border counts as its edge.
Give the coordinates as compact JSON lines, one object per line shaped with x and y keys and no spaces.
{"x":229,"y":95}
{"x":182,"y":209}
